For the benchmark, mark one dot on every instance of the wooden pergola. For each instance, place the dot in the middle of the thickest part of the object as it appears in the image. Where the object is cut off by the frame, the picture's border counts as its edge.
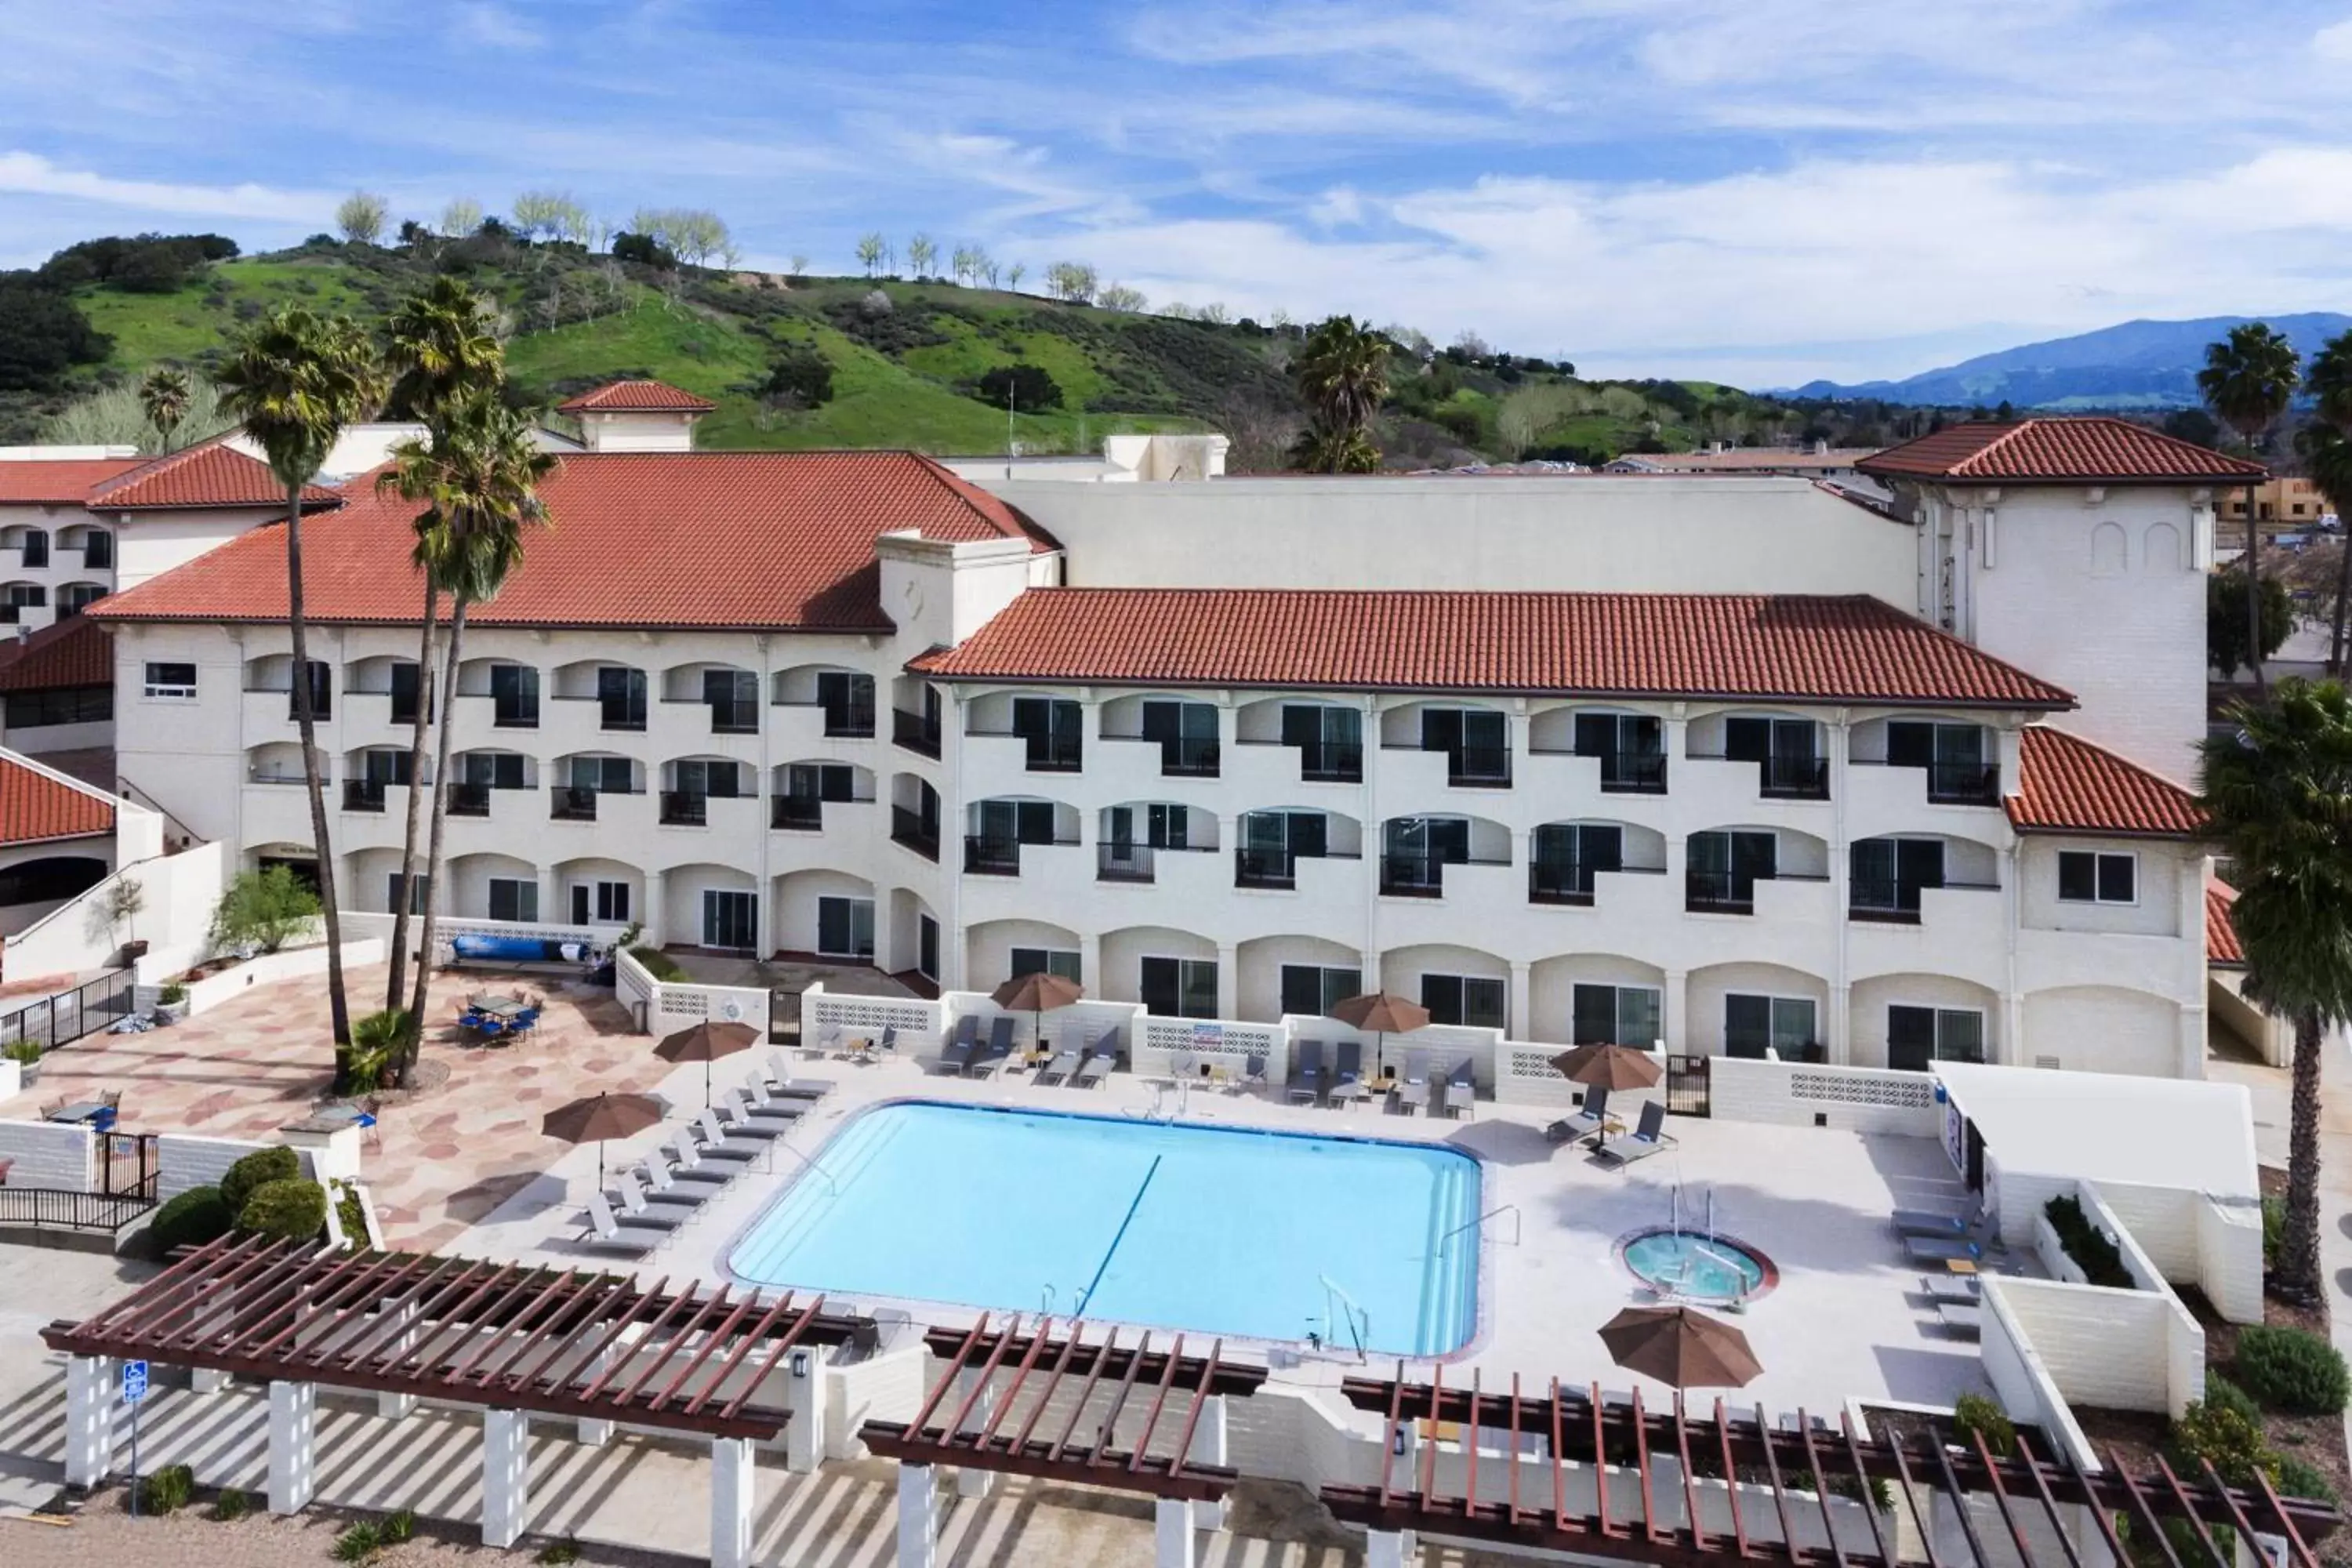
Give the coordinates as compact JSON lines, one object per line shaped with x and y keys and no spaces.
{"x":1812,"y":1474}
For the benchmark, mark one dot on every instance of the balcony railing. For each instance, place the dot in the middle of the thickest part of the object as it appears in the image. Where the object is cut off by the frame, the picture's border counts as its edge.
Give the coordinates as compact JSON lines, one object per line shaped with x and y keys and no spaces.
{"x":795,"y":811}
{"x":682,"y":809}
{"x":568,"y":803}
{"x":1124,"y":863}
{"x":362,"y":795}
{"x":909,"y":829}
{"x":1719,"y":893}
{"x":984,"y":856}
{"x":852,"y":721}
{"x":1411,"y":877}
{"x":1795,"y":778}
{"x":1189,"y":757}
{"x":1331,"y":762}
{"x":1044,"y":753}
{"x":919,"y":734}
{"x":1958,"y":783}
{"x":734,"y":719}
{"x":1562,"y":881}
{"x":1478,"y":767}
{"x":1633,"y":773}
{"x":1276,"y":868}
{"x":469,"y":800}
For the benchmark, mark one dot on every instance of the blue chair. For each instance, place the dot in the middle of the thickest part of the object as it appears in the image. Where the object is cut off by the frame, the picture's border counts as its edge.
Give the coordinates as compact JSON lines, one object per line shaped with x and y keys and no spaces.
{"x":490,"y":1028}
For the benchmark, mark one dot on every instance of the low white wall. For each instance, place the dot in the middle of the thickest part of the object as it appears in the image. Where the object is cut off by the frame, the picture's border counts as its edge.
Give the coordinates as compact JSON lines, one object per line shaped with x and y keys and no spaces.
{"x":663,"y":1006}
{"x":2021,"y":1381}
{"x":2230,"y":1258}
{"x":288,"y":963}
{"x":920,"y":1022}
{"x":183,"y":1161}
{"x":1801,"y":1094}
{"x":181,"y":890}
{"x":49,"y":1155}
{"x":2123,"y":1350}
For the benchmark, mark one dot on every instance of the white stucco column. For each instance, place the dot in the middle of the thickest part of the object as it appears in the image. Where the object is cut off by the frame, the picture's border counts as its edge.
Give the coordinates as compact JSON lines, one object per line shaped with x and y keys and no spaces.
{"x":656,"y":913}
{"x":1174,"y":1543}
{"x":1390,"y":1548}
{"x":293,"y":1445}
{"x":732,"y":1477}
{"x":505,"y":1476}
{"x":972,"y":1481}
{"x":1841,"y":1025}
{"x":397,"y":1406}
{"x":805,"y":1400}
{"x":1208,"y":1448}
{"x":919,"y":1517}
{"x":592,"y":1432}
{"x":89,"y":1420}
{"x":1229,"y":979}
{"x":1090,"y":974}
{"x":206,"y":1380}
{"x":1674,"y":1006}
{"x":1521,"y":1024}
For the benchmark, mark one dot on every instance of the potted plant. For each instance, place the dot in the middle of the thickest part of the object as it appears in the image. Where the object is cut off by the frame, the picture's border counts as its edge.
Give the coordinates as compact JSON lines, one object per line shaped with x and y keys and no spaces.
{"x":26,"y":1055}
{"x":125,"y":902}
{"x":171,"y":1003}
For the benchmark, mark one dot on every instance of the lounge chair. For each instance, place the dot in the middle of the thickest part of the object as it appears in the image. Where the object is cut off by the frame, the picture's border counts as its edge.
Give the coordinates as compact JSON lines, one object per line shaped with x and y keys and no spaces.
{"x":1065,"y":1062}
{"x":1951,"y":1291}
{"x":738,"y":1110}
{"x":1649,"y":1136}
{"x":998,"y":1050}
{"x":692,"y":1163}
{"x":956,"y":1054}
{"x":1306,"y":1073}
{"x":1584,"y":1121}
{"x":1253,"y":1070}
{"x":605,"y":1235}
{"x":638,"y":1204}
{"x":663,"y":1184}
{"x":1461,"y":1089}
{"x":1102,"y":1057}
{"x":601,"y":1218}
{"x":712,"y":1142}
{"x":1938,"y":1249}
{"x":1917,"y":1222}
{"x":1962,"y":1323}
{"x":1348,"y":1063}
{"x":1414,"y":1083}
{"x":717,"y":1129}
{"x":795,"y":1096}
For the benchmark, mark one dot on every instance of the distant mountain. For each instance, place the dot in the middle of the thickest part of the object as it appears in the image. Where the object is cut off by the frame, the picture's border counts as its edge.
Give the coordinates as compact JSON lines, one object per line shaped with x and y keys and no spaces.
{"x":2138,"y":365}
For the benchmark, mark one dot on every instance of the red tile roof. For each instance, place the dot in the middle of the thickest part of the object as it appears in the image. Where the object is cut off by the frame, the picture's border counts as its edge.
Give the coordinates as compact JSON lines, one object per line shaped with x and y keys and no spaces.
{"x":208,"y":475}
{"x":1855,"y":648}
{"x":2078,"y":450}
{"x":2068,"y":784}
{"x":757,"y":541}
{"x":73,"y":652}
{"x":34,"y":806}
{"x":57,"y":481}
{"x":2222,"y":945}
{"x":637,"y":397}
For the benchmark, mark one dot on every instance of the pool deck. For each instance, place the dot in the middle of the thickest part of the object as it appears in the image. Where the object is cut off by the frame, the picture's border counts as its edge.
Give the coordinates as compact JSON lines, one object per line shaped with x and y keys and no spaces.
{"x":1844,"y":1324}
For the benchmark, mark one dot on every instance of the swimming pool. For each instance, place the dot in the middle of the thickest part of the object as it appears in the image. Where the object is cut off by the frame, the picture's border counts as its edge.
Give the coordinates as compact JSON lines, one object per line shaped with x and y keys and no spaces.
{"x":1221,"y":1230}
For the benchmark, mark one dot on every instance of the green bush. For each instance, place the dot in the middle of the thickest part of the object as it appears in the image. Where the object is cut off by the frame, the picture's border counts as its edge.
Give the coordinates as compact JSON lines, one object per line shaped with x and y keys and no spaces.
{"x":2226,"y":1438}
{"x":2093,"y":1249}
{"x":2292,"y":1370}
{"x":359,"y":1542}
{"x":193,"y":1218}
{"x":2274,"y":1230}
{"x":265,"y":909}
{"x":285,"y":1211}
{"x":353,"y":1213}
{"x":256,"y":1169}
{"x":2300,"y":1478}
{"x":167,"y":1491}
{"x":556,"y":1553}
{"x":25,"y":1052}
{"x":172,"y":994}
{"x":1975,"y":1416}
{"x":658,"y":964}
{"x":2223,"y":1394}
{"x":397,"y":1526}
{"x":232,"y":1505}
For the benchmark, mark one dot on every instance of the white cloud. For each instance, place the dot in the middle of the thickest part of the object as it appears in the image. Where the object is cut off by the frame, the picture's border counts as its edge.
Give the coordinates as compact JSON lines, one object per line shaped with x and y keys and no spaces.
{"x":494,"y":26}
{"x":31,"y":175}
{"x":2333,"y":43}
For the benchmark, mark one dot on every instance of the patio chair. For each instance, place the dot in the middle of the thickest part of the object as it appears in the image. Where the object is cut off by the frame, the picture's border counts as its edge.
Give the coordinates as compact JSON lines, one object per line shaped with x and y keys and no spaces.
{"x":711,"y":1143}
{"x":601,"y":1218}
{"x":1939,"y":1248}
{"x":719,"y":1128}
{"x":1253,"y":1070}
{"x":1307,"y":1074}
{"x":1102,"y":1057}
{"x":1348,"y":1063}
{"x":1066,"y":1061}
{"x":998,"y":1050}
{"x":786,"y":1098}
{"x":956,"y":1054}
{"x":1649,"y":1136}
{"x":1414,"y":1080}
{"x":1918,"y":1222}
{"x":1960,"y":1322}
{"x":687,"y":1163}
{"x":604,"y":1233}
{"x":740,"y":1111}
{"x":1584,"y":1121}
{"x":664,"y":1185}
{"x":1460,"y":1090}
{"x":1951,"y":1291}
{"x":112,"y":1099}
{"x":637,"y":1203}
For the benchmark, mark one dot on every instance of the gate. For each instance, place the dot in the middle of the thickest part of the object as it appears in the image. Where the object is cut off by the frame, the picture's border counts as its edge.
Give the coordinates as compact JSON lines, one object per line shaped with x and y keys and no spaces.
{"x":1687,"y":1086}
{"x":784,"y":1017}
{"x":126,"y":1165}
{"x":61,"y":1019}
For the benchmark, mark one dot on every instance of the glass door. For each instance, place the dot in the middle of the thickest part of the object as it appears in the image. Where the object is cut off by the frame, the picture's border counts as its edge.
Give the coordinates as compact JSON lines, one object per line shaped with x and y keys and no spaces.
{"x":729,"y":919}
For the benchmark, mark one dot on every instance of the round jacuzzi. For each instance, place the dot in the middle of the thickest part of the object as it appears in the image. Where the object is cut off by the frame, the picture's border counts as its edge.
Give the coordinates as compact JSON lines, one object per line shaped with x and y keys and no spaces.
{"x":1714,"y":1270}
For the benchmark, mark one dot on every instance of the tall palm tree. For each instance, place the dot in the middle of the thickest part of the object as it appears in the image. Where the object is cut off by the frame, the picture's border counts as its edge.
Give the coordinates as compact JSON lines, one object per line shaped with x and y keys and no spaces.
{"x":479,"y":483}
{"x":2329,"y":380}
{"x":294,"y":381}
{"x":2249,"y":379}
{"x":441,"y":346}
{"x":1342,"y":371}
{"x":2278,"y":795}
{"x":165,"y":394}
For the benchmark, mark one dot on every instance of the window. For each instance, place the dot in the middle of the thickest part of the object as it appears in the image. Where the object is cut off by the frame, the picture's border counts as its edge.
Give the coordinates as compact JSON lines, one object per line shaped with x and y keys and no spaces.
{"x":1272,"y":842}
{"x":1330,"y":741}
{"x":97,"y":548}
{"x":403,"y":693}
{"x":512,"y":898}
{"x":847,"y":700}
{"x":1313,"y":991}
{"x":495,"y":770}
{"x":322,"y":688}
{"x":845,"y":928}
{"x":821,"y":781}
{"x":1476,"y":744}
{"x":1179,"y":987}
{"x":1417,"y":849}
{"x":926,"y":947}
{"x":75,"y":597}
{"x":1753,"y":1025}
{"x":1918,"y":1035}
{"x":1785,"y":751}
{"x":620,"y":695}
{"x":37,"y":547}
{"x":514,"y":696}
{"x":605,"y":903}
{"x":1725,"y":866}
{"x":729,"y":919}
{"x":1615,"y":1015}
{"x":1953,"y":756}
{"x":1567,"y":856}
{"x":382,"y":766}
{"x":608,"y":776}
{"x":26,"y":596}
{"x":697,"y":776}
{"x":1164,"y":827}
{"x":1888,"y":874}
{"x":1052,"y":727}
{"x":1465,"y":999}
{"x":1631,"y":748}
{"x":1187,"y":733}
{"x":1044,"y":961}
{"x":417,"y":890}
{"x":2086,"y":877}
{"x":64,"y":705}
{"x":733,"y":698}
{"x":172,"y":682}
{"x":1009,"y":822}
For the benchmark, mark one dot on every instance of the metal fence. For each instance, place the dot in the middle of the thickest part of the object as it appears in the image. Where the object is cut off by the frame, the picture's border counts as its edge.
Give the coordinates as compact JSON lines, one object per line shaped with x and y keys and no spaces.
{"x":53,"y":1208}
{"x":67,"y":1015}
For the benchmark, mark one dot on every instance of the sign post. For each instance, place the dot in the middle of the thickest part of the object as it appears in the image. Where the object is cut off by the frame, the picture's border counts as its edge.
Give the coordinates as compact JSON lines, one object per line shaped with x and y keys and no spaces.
{"x":134,"y":1392}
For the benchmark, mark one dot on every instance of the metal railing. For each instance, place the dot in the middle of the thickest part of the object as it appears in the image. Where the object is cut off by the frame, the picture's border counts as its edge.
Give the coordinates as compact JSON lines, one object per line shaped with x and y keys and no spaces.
{"x":681,"y":808}
{"x":1958,"y":783}
{"x":1413,"y":877}
{"x":67,"y":1015}
{"x":569,"y":804}
{"x":1189,"y":757}
{"x":907,"y":828}
{"x":1562,"y":882}
{"x":984,"y":856}
{"x":1116,"y":862}
{"x":53,"y":1208}
{"x":1478,"y":767}
{"x":1276,"y":868}
{"x":1719,"y":892}
{"x":915,"y":731}
{"x":469,"y":800}
{"x":1795,"y":778}
{"x":1633,"y":773}
{"x":806,"y":811}
{"x":363,"y":794}
{"x":1331,"y":762}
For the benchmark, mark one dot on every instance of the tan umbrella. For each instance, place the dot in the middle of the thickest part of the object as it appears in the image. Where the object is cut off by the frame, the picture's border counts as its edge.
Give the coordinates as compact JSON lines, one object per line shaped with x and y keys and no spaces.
{"x":1681,"y":1347}
{"x":1037,"y":993}
{"x":599,"y":1117}
{"x":1384,"y":1014}
{"x":1608,"y":1067}
{"x":706,"y":1042}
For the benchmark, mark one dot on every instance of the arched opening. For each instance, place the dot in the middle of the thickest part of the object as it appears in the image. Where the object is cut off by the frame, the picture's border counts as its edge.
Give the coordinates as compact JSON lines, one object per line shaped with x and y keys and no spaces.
{"x":1755,"y":1010}
{"x":596,"y":891}
{"x":1307,"y":975}
{"x":1913,"y":1020}
{"x":31,"y":888}
{"x":1460,"y":985}
{"x":1173,"y":973}
{"x":825,"y":912}
{"x":1597,"y":998}
{"x":997,"y":951}
{"x":487,"y":887}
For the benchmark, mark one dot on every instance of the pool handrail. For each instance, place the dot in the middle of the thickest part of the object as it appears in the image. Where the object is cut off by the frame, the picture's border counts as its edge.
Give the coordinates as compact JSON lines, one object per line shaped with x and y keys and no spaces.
{"x":1517,"y":1219}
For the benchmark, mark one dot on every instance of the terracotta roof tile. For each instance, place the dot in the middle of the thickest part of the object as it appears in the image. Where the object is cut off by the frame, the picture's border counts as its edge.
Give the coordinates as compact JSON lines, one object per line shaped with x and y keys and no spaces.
{"x":76,"y":651}
{"x":1855,"y":648}
{"x":637,"y":397}
{"x":2079,"y":450}
{"x":2068,"y":784}
{"x":34,"y":806}
{"x":208,"y":475}
{"x":57,"y":481}
{"x":738,"y":540}
{"x":2222,"y":945}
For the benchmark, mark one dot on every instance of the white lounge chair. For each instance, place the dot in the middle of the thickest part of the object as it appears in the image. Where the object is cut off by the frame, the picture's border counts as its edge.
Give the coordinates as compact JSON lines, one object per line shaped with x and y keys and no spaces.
{"x":1647,"y":1138}
{"x":605,"y":1235}
{"x":1414,"y":1084}
{"x":711,"y":1141}
{"x":737,"y":1110}
{"x":682,"y":1186}
{"x":602,"y":1219}
{"x":692,"y":1163}
{"x":1461,"y":1089}
{"x":637,"y":1203}
{"x":714,"y":1131}
{"x":1066,"y":1061}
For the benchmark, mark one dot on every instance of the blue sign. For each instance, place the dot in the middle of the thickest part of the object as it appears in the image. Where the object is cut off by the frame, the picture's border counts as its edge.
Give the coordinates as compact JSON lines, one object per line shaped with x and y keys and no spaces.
{"x":134,"y":1381}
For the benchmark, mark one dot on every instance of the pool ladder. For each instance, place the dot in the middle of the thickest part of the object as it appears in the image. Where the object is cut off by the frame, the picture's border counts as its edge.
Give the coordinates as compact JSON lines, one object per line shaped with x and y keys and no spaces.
{"x":1358,"y":1321}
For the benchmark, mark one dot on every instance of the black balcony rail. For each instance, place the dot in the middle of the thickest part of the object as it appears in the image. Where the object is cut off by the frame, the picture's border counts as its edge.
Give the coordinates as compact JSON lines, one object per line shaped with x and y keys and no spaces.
{"x":1055,"y":754}
{"x":1331,"y":762}
{"x":513,"y":713}
{"x":1413,"y":877}
{"x":1189,"y":757}
{"x":1882,"y":898}
{"x":919,"y":733}
{"x":568,"y":803}
{"x":909,"y":829}
{"x":850,"y":719}
{"x":1478,"y":767}
{"x":800,"y":811}
{"x":1265,"y":869}
{"x":1125,"y":862}
{"x":684,"y":808}
{"x":732,"y":718}
{"x":1562,"y":881}
{"x":620,"y":714}
{"x":1963,"y":783}
{"x":469,"y":800}
{"x":55,"y":1208}
{"x":987,"y":856}
{"x":1718,"y":892}
{"x":1633,"y":773}
{"x":1795,"y":778}
{"x":362,"y":795}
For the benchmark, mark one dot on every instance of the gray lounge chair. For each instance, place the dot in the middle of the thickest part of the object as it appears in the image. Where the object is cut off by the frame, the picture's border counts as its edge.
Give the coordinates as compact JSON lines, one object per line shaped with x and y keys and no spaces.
{"x":1918,"y":1222}
{"x":1937,"y":1249}
{"x":1649,"y":1136}
{"x":998,"y":1050}
{"x":779,"y":1081}
{"x":1461,"y":1089}
{"x":713,"y":1141}
{"x":1306,"y":1073}
{"x":1962,"y":1323}
{"x":1952,"y":1290}
{"x":635,"y":1200}
{"x":1102,"y":1057}
{"x":737,"y":1109}
{"x":1065,"y":1062}
{"x":720,"y":1125}
{"x":1253,"y":1070}
{"x":605,"y":1235}
{"x":602,"y":1219}
{"x":697,"y":1161}
{"x":1584,"y":1121}
{"x":956,"y":1054}
{"x":1414,"y":1083}
{"x":1348,"y":1063}
{"x":662,"y":1181}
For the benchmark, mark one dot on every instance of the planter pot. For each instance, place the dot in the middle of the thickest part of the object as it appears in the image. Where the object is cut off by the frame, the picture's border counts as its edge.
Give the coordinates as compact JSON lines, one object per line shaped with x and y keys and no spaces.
{"x":30,"y":1073}
{"x":133,"y":951}
{"x":170,"y":1013}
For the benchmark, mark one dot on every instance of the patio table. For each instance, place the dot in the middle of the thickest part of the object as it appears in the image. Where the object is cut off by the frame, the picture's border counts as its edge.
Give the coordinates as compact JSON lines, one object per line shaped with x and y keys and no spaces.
{"x":1348,"y":1093}
{"x":497,"y":1006}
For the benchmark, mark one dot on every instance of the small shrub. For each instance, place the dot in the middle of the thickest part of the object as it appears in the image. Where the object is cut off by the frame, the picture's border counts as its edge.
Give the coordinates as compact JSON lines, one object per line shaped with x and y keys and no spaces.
{"x":173,"y":995}
{"x":265,"y":909}
{"x":2274,"y":1230}
{"x":397,"y":1527}
{"x":23,"y":1052}
{"x":2225,"y":1438}
{"x":231,"y":1506}
{"x":359,"y":1542}
{"x":353,"y":1216}
{"x":2300,"y":1478}
{"x":2223,"y":1394}
{"x":556,"y":1553}
{"x":258,"y":1169}
{"x":1974,"y":1416}
{"x":2292,"y":1370}
{"x":197,"y":1216}
{"x":167,"y":1491}
{"x":658,"y":964}
{"x":285,"y":1211}
{"x":2093,"y":1249}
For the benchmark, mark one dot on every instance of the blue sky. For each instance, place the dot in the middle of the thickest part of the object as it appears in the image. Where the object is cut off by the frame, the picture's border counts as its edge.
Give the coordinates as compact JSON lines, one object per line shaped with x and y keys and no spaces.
{"x":1758,"y":190}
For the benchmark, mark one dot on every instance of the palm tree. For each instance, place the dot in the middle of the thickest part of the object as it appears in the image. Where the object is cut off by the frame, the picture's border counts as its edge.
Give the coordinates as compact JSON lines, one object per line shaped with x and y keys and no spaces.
{"x":165,"y":394}
{"x":2330,"y":383}
{"x":1342,"y":371}
{"x":2248,"y":380}
{"x":2278,"y":796}
{"x":479,"y":482}
{"x":294,"y":381}
{"x":442,"y":351}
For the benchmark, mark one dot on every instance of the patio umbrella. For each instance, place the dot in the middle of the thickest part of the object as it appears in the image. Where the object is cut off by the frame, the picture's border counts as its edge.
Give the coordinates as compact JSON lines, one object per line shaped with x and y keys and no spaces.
{"x":599,"y":1117}
{"x":1037,"y":993}
{"x":706,"y":1042}
{"x":1681,"y":1347}
{"x":1608,"y":1067}
{"x":1382,"y":1013}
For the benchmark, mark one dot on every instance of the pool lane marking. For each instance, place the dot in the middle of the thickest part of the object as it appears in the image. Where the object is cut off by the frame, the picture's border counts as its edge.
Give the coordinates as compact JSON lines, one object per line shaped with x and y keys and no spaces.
{"x":1136,"y":1203}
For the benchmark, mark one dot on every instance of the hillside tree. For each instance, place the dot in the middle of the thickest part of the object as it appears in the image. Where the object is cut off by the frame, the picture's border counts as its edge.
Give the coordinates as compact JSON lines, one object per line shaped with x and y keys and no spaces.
{"x":797,"y":265}
{"x":2327,"y":452}
{"x":923,"y":253}
{"x":1072,"y":281}
{"x":1119,"y":297}
{"x":2227,"y":640}
{"x":869,"y":253}
{"x":42,"y":334}
{"x":460,"y":218}
{"x":165,"y":394}
{"x":361,"y":217}
{"x":1013,"y":274}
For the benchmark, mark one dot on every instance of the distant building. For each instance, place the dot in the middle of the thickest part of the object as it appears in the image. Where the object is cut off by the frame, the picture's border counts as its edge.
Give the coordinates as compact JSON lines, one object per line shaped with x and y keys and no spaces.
{"x":1819,"y":461}
{"x":2285,"y":504}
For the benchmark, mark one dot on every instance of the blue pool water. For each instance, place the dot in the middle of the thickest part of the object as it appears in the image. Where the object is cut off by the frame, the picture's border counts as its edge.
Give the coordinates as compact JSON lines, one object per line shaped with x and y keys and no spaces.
{"x":1218,"y":1230}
